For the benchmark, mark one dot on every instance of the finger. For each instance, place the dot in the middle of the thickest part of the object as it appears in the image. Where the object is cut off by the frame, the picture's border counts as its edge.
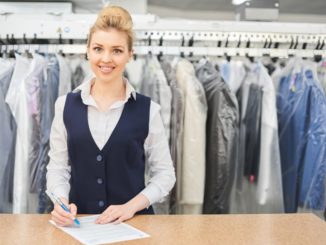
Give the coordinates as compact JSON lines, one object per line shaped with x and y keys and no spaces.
{"x":118,"y":221}
{"x":110,"y":209}
{"x":112,"y":217}
{"x":102,"y":219}
{"x":60,"y":219}
{"x":57,"y":222}
{"x":73,"y":209}
{"x":107,"y":218}
{"x":105,"y":214}
{"x":54,"y":219}
{"x":60,"y":210}
{"x":63,"y":212}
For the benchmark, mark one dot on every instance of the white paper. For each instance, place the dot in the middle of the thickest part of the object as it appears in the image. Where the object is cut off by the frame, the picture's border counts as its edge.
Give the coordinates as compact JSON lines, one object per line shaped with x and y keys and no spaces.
{"x":91,"y":233}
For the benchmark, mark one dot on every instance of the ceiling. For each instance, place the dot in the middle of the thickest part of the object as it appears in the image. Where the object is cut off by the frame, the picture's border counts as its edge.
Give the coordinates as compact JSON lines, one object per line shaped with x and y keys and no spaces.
{"x":312,"y":7}
{"x":317,"y":7}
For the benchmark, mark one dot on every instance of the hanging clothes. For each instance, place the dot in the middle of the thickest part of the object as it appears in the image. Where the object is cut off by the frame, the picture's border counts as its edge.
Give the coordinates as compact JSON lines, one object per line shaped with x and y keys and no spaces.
{"x":262,"y":192}
{"x":269,"y":184}
{"x":321,"y":69}
{"x":134,"y":70}
{"x":302,"y":129}
{"x":49,"y":94}
{"x":154,"y":85}
{"x":8,"y":129}
{"x":232,"y":73}
{"x":194,"y":141}
{"x":33,"y":83}
{"x":222,"y":136}
{"x":252,"y":122}
{"x":239,"y":201}
{"x":65,"y":84}
{"x":77,"y":73}
{"x":17,"y":101}
{"x":176,"y":131}
{"x":79,"y":68}
{"x":276,"y":76}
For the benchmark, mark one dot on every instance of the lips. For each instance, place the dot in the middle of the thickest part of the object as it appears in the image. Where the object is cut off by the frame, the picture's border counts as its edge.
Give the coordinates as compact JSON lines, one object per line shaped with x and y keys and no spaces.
{"x":106,"y":69}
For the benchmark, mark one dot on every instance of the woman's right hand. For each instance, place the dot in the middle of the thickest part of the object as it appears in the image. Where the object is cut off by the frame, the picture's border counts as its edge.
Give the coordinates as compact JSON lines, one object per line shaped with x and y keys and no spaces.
{"x":62,"y":217}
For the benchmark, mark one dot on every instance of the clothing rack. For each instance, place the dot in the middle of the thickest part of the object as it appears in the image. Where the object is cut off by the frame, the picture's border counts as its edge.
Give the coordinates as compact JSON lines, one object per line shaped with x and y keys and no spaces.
{"x":171,"y":50}
{"x":153,"y":35}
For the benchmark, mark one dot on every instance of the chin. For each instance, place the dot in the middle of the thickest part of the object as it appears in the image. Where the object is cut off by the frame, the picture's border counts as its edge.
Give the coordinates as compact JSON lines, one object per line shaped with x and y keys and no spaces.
{"x":107,"y":78}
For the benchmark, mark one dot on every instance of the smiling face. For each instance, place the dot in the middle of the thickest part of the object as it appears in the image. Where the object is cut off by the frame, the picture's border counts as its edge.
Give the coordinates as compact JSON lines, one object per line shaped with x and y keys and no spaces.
{"x":108,"y":54}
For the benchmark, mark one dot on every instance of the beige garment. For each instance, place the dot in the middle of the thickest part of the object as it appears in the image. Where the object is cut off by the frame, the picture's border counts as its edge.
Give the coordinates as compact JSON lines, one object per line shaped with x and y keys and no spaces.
{"x":194,"y":142}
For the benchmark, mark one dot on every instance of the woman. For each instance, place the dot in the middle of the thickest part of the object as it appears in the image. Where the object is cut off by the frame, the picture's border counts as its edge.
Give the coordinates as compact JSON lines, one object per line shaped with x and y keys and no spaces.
{"x":102,"y":132}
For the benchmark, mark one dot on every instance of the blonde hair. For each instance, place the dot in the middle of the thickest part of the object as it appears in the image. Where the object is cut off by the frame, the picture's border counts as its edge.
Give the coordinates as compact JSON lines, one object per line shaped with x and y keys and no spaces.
{"x":113,"y":17}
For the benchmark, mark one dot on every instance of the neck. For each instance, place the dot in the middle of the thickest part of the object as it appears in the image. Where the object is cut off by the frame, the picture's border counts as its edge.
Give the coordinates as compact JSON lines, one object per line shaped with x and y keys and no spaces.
{"x":114,"y":89}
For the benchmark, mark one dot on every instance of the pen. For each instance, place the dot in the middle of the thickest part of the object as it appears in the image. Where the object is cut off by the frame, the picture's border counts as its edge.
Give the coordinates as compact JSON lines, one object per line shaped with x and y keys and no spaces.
{"x":58,"y":200}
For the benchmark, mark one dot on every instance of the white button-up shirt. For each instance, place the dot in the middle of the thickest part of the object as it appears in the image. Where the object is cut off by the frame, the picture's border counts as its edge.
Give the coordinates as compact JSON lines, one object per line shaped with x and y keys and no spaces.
{"x":161,"y":170}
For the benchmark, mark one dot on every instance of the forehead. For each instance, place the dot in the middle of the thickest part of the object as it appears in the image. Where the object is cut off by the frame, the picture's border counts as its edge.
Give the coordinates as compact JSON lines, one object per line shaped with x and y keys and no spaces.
{"x":109,"y":37}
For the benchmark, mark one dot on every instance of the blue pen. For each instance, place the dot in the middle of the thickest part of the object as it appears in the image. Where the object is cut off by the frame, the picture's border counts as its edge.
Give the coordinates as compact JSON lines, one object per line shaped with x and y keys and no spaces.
{"x":62,"y":205}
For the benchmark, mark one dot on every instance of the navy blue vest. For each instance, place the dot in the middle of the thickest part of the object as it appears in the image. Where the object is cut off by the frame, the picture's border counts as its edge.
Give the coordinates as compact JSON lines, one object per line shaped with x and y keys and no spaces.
{"x":115,"y":174}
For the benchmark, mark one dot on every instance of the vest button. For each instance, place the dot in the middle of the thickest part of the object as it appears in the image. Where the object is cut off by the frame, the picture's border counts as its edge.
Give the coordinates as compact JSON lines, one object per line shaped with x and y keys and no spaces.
{"x":101,"y":203}
{"x":99,"y":158}
{"x":99,"y":181}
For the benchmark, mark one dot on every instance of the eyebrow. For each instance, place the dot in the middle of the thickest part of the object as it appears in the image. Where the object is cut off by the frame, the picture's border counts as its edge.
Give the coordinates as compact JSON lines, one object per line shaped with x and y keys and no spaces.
{"x":118,"y":47}
{"x":98,"y":44}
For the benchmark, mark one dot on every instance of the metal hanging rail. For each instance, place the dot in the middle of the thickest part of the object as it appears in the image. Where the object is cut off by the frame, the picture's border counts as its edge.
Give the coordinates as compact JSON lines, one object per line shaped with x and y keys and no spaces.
{"x":171,"y":50}
{"x":172,"y":37}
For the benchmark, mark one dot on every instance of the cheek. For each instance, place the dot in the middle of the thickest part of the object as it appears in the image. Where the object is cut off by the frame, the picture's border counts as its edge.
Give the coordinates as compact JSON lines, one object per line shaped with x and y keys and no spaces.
{"x":93,"y":64}
{"x":93,"y":60}
{"x":122,"y":60}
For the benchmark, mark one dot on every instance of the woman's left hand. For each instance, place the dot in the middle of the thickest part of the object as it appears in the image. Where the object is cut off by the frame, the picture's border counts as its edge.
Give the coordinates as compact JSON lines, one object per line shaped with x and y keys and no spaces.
{"x":116,"y":214}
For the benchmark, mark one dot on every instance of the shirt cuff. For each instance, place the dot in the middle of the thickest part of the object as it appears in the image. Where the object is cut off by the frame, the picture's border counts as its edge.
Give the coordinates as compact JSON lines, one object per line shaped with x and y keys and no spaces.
{"x":152,"y":192}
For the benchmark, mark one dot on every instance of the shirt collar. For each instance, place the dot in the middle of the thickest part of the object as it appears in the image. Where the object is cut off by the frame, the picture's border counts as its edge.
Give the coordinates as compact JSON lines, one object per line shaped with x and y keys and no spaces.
{"x":85,"y":89}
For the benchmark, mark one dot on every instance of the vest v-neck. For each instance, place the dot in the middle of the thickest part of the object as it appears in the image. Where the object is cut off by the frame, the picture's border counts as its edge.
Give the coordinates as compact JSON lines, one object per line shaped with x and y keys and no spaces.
{"x":114,"y":174}
{"x":116,"y":128}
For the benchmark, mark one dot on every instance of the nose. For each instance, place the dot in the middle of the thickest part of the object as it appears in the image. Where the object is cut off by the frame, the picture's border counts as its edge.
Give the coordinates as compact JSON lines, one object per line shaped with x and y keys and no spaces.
{"x":106,"y":57}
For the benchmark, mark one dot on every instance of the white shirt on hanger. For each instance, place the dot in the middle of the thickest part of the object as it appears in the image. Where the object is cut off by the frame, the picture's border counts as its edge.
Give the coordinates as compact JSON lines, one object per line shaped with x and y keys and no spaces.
{"x":21,"y":100}
{"x":194,"y":139}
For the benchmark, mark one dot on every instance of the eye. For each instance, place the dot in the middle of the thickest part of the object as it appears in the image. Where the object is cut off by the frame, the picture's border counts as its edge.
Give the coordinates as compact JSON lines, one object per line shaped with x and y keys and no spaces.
{"x":97,"y":49}
{"x":117,"y":51}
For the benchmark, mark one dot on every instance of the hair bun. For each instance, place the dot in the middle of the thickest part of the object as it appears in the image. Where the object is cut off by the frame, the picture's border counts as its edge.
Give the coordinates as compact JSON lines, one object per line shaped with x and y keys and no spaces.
{"x":114,"y":17}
